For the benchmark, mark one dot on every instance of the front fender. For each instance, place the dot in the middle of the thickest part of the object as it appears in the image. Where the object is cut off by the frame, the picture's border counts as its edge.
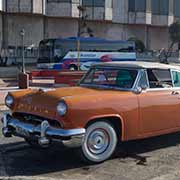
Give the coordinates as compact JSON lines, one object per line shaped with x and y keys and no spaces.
{"x":111,"y":116}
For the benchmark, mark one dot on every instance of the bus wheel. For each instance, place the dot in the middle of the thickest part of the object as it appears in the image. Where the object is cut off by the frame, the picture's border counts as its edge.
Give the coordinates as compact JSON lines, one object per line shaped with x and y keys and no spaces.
{"x":73,"y":67}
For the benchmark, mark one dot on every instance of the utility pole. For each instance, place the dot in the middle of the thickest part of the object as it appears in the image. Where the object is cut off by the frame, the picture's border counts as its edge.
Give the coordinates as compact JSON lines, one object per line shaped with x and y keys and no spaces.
{"x":81,"y":12}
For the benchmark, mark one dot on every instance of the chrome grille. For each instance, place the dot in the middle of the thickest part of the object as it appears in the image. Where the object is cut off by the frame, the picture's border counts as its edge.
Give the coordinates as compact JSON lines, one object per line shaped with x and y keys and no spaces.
{"x":36,"y":120}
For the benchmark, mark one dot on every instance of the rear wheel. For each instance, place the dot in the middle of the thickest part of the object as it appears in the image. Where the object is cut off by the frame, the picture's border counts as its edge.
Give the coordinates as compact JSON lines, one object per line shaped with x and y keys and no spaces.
{"x":99,"y":143}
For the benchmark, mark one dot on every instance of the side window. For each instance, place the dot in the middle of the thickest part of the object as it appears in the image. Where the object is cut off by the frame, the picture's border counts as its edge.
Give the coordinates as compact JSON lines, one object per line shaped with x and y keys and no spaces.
{"x":159,"y":78}
{"x":176,"y":78}
{"x":143,"y":82}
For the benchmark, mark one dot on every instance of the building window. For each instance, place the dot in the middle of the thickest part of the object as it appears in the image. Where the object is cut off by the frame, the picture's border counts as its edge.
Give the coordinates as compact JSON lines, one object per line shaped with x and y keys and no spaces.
{"x":137,"y":5}
{"x":160,"y":7}
{"x":57,"y":1}
{"x":131,"y":5}
{"x":96,"y":3}
{"x":176,"y":8}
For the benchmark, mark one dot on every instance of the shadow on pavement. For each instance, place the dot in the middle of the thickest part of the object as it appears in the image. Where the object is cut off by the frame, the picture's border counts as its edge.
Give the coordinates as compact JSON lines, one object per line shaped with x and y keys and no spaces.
{"x":21,"y":160}
{"x":134,"y":149}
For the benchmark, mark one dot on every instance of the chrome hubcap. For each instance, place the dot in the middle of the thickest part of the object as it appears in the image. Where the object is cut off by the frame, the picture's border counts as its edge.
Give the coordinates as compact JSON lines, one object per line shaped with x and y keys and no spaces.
{"x":98,"y":141}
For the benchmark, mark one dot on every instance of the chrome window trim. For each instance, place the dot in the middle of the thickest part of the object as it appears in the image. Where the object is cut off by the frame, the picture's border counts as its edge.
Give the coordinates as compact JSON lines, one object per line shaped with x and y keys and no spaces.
{"x":162,"y":89}
{"x":140,"y":74}
{"x":137,"y":80}
{"x":110,"y":88}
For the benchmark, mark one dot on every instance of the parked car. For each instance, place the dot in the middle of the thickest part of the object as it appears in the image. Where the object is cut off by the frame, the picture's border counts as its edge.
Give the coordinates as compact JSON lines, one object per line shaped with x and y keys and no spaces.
{"x":115,"y":101}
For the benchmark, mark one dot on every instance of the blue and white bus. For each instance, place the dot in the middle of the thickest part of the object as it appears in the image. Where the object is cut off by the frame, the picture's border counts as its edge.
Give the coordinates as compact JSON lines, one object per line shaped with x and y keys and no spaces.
{"x":71,"y":53}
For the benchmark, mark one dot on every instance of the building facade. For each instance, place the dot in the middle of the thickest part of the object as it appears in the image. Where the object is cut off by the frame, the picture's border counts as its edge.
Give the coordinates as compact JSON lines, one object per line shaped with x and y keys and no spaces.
{"x":148,"y":20}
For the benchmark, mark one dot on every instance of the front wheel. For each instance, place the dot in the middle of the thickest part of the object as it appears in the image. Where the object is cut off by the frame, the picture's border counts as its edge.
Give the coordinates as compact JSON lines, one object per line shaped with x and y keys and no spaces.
{"x":99,"y":143}
{"x":73,"y":67}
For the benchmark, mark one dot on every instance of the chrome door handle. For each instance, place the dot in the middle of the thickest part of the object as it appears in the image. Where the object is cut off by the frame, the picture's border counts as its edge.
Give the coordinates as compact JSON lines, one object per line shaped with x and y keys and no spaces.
{"x":175,"y":93}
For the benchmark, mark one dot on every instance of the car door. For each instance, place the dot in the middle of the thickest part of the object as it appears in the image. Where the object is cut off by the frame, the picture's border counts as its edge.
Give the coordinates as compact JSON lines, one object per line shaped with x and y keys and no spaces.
{"x":176,"y":85}
{"x":158,"y":104}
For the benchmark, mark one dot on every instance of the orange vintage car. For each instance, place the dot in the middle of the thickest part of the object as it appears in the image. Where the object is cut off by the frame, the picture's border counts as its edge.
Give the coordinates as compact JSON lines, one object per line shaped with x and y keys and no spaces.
{"x":115,"y":101}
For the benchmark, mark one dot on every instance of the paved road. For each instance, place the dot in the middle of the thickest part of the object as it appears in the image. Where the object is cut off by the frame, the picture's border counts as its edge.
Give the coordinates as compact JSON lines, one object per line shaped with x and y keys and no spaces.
{"x":161,"y":156}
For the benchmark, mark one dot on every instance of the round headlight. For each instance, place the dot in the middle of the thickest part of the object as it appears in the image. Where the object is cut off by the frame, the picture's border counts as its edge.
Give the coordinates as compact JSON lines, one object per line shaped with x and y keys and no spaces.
{"x":9,"y":100}
{"x":62,"y":108}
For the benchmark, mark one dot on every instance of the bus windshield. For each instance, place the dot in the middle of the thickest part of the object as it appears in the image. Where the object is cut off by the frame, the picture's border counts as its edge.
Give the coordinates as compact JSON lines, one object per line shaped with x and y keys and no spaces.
{"x":46,"y":51}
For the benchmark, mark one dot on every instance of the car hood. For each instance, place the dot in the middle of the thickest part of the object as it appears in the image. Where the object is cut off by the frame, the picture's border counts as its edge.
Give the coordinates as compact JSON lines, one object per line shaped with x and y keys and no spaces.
{"x":43,"y":103}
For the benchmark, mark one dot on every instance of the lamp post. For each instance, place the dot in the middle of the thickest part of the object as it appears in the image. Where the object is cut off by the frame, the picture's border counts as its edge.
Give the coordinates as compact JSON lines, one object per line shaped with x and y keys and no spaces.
{"x":22,"y":33}
{"x":23,"y":76}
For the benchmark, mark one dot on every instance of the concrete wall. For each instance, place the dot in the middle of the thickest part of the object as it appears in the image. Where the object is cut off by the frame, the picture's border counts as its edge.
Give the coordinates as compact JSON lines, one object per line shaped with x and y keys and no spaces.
{"x":154,"y":38}
{"x":38,"y":26}
{"x":56,"y":27}
{"x":75,"y":11}
{"x":38,"y":6}
{"x":33,"y":26}
{"x":158,"y":37}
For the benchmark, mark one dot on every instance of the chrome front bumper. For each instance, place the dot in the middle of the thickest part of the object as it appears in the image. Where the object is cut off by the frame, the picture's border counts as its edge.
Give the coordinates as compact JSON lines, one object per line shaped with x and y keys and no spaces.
{"x":44,"y":133}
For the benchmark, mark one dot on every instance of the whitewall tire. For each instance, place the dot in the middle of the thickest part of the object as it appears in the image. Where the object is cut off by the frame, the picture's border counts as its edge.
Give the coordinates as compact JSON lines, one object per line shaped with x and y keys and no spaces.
{"x":100,"y":142}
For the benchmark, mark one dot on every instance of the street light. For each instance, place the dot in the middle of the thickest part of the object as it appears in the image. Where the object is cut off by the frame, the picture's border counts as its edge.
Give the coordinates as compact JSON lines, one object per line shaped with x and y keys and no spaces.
{"x":23,"y":76}
{"x":22,"y":33}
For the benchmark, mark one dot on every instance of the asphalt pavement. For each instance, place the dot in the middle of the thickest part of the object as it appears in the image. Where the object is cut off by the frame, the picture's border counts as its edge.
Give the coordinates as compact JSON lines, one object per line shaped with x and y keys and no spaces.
{"x":151,"y":159}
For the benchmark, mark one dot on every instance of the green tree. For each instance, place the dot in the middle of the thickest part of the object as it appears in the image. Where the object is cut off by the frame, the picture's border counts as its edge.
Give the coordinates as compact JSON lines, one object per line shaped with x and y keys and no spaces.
{"x":140,"y":47}
{"x":174,"y":33}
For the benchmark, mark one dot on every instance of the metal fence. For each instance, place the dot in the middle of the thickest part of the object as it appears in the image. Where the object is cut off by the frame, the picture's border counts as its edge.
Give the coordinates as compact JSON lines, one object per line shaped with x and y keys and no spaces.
{"x":13,"y":56}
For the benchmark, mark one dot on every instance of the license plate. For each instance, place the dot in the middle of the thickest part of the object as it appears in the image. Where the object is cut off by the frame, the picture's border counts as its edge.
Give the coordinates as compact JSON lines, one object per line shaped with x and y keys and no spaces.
{"x":22,"y":132}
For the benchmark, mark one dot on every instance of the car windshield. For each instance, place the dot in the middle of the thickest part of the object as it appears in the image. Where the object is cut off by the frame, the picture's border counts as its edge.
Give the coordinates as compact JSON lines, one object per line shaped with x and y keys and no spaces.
{"x":110,"y":78}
